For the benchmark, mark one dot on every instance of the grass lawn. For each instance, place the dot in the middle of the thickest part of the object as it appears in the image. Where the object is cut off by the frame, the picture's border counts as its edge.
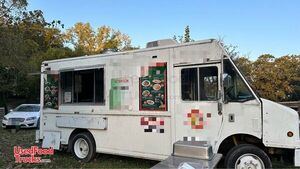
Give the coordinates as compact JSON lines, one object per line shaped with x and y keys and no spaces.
{"x":25,"y":139}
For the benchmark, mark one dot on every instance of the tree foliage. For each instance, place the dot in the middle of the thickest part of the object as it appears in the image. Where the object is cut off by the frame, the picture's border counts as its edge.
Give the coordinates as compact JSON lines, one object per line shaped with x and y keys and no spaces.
{"x":274,"y":78}
{"x":186,"y":37}
{"x":232,"y":50}
{"x":86,"y":39}
{"x":27,"y":39}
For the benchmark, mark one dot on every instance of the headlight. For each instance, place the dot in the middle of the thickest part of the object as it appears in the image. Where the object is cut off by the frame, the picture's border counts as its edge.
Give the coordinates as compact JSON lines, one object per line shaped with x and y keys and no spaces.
{"x":4,"y":118}
{"x":30,"y":118}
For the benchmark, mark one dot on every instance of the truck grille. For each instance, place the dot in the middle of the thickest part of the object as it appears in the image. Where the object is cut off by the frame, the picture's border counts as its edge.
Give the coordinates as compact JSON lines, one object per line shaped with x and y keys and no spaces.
{"x":17,"y":119}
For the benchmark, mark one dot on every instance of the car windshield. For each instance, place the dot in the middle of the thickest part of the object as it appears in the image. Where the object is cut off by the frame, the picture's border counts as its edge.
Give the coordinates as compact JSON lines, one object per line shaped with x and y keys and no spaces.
{"x":235,"y":88}
{"x":27,"y":108}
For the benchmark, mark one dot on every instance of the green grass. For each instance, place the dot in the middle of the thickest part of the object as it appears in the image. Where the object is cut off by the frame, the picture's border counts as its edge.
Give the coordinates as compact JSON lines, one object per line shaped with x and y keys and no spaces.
{"x":25,"y":139}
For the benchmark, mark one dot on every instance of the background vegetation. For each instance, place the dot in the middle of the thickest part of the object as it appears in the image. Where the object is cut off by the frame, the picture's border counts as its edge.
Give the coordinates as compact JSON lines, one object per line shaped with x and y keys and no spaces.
{"x":27,"y":39}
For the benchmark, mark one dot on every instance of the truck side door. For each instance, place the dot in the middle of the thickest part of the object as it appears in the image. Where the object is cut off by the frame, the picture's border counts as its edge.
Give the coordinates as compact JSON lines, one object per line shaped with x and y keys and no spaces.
{"x":196,"y":102}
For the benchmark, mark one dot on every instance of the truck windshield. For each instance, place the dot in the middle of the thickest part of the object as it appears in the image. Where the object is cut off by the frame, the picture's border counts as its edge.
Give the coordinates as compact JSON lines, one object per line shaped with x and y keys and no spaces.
{"x":235,"y":89}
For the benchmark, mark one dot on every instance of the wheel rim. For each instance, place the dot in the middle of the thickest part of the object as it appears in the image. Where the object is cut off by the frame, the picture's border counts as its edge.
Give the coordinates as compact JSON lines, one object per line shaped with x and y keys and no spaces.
{"x":249,"y":161}
{"x":81,"y":148}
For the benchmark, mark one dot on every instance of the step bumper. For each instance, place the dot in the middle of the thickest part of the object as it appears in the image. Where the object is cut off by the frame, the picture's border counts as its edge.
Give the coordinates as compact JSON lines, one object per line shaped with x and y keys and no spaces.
{"x":188,"y":163}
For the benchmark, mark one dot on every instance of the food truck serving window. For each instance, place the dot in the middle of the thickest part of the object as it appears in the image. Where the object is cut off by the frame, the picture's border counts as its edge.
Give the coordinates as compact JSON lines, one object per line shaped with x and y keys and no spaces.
{"x":83,"y":86}
{"x":199,"y":84}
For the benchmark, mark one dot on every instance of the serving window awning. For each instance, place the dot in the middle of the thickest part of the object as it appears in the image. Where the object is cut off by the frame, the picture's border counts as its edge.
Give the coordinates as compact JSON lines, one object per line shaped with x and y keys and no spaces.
{"x":78,"y":68}
{"x":48,"y":72}
{"x":67,"y":69}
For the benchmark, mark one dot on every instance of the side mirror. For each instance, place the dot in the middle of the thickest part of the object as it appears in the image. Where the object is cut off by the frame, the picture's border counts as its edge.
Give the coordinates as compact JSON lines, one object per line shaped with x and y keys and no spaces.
{"x":11,"y":110}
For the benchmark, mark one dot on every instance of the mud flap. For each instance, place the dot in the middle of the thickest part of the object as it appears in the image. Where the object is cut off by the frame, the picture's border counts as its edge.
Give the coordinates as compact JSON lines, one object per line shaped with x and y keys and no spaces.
{"x":51,"y":139}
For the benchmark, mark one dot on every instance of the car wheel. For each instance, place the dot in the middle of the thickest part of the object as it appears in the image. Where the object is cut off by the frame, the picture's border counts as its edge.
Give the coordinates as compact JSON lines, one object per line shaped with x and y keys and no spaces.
{"x":247,"y":156}
{"x":83,"y":147}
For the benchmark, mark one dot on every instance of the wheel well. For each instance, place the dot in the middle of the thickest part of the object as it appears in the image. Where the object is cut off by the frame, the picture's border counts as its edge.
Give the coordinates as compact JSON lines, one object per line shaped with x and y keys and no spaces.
{"x":76,"y":131}
{"x":237,"y":139}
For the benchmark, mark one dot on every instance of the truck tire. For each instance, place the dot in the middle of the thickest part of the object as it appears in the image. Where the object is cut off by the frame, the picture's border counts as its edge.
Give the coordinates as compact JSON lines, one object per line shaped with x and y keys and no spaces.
{"x":247,"y":156}
{"x":83,"y":147}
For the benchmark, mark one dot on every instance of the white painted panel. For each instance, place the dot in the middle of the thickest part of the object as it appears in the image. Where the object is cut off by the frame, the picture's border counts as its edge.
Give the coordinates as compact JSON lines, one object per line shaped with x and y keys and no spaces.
{"x":51,"y":139}
{"x":278,"y":120}
{"x":82,"y":122}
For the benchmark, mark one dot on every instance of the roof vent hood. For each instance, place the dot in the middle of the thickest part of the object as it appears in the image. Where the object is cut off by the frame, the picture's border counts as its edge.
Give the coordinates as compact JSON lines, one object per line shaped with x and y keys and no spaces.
{"x":163,"y":42}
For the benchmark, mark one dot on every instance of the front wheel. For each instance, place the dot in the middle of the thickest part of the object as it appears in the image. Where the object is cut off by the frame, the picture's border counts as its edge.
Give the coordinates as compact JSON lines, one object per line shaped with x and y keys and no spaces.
{"x":83,"y":147}
{"x":247,"y":156}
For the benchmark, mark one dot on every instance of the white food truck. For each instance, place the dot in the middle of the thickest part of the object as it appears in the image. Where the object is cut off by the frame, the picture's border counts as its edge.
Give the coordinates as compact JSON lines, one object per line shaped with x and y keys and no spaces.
{"x":185,"y":100}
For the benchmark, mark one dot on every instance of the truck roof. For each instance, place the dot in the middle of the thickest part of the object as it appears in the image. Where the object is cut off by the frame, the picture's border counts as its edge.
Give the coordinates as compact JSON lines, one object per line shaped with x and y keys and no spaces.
{"x":133,"y":51}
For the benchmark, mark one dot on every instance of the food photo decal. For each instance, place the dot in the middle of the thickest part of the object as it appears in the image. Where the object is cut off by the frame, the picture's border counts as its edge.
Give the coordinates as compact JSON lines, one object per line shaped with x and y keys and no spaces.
{"x":153,"y":88}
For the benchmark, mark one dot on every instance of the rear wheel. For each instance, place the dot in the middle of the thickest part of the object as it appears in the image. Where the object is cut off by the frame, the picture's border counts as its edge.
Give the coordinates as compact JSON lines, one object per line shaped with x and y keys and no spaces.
{"x":247,"y":156}
{"x":83,"y":147}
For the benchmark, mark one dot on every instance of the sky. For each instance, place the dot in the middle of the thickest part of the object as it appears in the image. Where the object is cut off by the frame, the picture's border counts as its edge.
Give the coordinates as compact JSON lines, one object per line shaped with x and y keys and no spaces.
{"x":255,"y":26}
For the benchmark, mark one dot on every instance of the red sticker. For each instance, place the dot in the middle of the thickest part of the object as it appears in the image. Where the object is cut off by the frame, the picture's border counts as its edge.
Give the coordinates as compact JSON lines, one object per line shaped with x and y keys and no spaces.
{"x":195,"y":111}
{"x":162,"y":123}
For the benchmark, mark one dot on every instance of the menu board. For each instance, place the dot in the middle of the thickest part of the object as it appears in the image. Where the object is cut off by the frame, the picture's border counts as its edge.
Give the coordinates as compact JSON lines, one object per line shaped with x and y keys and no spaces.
{"x":51,"y":91}
{"x":119,"y":97}
{"x":153,"y":88}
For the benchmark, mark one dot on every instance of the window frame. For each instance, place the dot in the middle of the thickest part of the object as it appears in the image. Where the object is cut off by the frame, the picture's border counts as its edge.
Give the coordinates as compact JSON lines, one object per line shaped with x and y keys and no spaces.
{"x":198,"y":79}
{"x":61,"y":102}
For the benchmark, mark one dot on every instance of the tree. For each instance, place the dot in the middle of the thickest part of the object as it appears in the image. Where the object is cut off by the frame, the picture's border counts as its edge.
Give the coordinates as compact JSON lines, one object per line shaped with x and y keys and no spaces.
{"x":229,"y":48}
{"x":274,"y":78}
{"x":10,"y":10}
{"x":245,"y":66}
{"x":24,"y":37}
{"x":277,"y":79}
{"x":85,"y":39}
{"x":185,"y":38}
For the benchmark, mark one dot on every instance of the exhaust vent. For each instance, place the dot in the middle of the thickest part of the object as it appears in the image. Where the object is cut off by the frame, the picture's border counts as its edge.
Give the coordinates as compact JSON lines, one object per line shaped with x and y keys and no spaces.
{"x":163,"y":42}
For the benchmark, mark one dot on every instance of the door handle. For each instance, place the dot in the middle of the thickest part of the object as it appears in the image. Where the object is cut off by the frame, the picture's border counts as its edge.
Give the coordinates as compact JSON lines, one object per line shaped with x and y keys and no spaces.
{"x":231,"y":118}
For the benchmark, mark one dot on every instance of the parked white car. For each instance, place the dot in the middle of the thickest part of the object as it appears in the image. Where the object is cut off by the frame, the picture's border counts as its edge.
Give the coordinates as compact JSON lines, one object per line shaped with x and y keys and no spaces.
{"x":25,"y":115}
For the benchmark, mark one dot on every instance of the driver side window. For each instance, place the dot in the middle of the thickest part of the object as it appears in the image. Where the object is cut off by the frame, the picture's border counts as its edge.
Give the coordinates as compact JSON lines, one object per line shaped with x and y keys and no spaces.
{"x":235,"y":89}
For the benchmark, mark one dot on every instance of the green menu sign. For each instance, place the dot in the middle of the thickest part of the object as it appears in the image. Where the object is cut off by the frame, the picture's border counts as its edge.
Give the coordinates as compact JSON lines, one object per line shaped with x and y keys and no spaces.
{"x":153,"y":88}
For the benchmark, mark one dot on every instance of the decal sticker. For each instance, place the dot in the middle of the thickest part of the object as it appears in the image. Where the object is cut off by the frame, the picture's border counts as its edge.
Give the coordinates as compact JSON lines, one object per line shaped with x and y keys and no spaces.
{"x":189,"y":138}
{"x":153,"y":87}
{"x":153,"y":124}
{"x":51,"y":91}
{"x":119,"y":94}
{"x":196,"y":119}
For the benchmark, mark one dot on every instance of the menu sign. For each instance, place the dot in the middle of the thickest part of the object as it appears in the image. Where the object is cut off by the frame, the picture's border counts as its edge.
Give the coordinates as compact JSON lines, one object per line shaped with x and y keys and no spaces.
{"x":153,"y":88}
{"x":51,"y":91}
